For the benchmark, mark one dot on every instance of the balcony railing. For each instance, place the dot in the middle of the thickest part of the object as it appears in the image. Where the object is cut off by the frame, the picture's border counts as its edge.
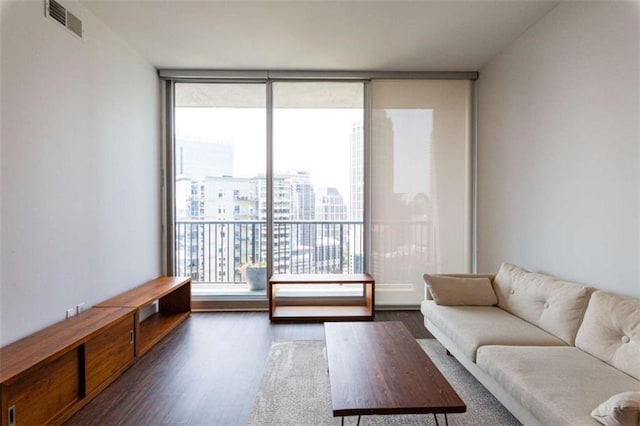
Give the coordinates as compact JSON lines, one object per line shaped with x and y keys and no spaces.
{"x":213,"y":252}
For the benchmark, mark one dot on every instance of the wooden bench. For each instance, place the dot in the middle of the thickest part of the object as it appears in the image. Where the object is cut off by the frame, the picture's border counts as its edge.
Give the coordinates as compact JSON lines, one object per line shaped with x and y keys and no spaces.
{"x":48,"y":376}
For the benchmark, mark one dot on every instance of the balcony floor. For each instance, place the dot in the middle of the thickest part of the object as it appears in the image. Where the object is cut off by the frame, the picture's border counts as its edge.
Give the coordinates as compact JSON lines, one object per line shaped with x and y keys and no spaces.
{"x":217,"y":291}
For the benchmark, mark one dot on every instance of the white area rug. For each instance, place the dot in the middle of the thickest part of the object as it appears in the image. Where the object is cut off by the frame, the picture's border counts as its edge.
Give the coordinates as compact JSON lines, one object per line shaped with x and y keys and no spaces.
{"x":295,"y":390}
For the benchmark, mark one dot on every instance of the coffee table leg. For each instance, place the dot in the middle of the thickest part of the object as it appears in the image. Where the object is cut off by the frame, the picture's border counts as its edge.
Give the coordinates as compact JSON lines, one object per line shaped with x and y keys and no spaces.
{"x":446,"y":420}
{"x":435,"y":417}
{"x":358,"y":424}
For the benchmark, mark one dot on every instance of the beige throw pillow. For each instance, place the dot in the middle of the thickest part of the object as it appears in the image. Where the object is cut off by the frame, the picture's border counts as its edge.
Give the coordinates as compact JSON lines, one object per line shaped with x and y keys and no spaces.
{"x":622,"y":409}
{"x":454,"y":291}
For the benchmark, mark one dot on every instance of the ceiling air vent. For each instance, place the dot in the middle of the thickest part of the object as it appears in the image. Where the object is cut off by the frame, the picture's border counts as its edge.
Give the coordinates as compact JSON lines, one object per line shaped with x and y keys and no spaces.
{"x":60,"y":14}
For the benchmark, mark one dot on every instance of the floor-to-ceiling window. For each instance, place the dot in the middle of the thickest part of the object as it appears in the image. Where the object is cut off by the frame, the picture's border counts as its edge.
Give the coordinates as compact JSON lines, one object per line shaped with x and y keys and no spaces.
{"x":221,"y":184}
{"x":330,"y":176}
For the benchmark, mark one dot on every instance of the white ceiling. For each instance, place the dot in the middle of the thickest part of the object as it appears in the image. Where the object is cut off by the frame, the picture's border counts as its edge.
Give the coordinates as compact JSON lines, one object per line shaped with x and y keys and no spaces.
{"x":319,"y":35}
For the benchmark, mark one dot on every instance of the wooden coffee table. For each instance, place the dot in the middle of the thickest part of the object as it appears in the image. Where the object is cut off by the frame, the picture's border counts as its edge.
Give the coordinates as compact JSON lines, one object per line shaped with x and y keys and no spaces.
{"x":379,"y":368}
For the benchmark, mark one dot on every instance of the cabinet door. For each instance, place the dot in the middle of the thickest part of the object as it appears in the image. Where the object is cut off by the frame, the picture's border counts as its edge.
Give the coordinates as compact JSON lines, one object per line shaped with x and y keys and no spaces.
{"x":45,"y":391}
{"x":107,"y":354}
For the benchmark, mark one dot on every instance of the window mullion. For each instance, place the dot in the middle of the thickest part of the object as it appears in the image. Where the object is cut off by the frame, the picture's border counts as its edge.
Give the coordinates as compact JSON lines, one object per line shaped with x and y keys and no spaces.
{"x":269,"y":177}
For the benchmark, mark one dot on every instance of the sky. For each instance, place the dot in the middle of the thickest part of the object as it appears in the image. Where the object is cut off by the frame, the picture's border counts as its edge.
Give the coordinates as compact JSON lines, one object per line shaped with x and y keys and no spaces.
{"x":313,"y":140}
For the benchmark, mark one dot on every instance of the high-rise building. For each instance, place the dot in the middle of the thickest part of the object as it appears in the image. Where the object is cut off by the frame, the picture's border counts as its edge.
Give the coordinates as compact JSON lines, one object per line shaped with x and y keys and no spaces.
{"x":220,"y":230}
{"x":303,"y":236}
{"x":281,"y":214}
{"x":356,"y":172}
{"x":302,"y":196}
{"x":330,"y":208}
{"x":330,"y":205}
{"x":198,"y":159}
{"x":230,"y":199}
{"x":216,"y":199}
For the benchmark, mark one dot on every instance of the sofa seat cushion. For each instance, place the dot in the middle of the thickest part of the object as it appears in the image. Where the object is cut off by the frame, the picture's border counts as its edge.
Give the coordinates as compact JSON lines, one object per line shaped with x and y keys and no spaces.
{"x":561,"y":385}
{"x":470,"y":327}
{"x":554,"y":305}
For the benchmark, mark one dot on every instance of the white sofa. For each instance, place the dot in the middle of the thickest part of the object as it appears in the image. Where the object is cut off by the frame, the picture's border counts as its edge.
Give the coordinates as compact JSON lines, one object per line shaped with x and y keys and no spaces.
{"x":550,"y":350}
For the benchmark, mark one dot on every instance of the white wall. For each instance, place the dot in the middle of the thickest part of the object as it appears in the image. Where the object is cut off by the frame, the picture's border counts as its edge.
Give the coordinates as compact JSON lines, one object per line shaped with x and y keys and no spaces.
{"x":80,"y":168}
{"x":559,"y":153}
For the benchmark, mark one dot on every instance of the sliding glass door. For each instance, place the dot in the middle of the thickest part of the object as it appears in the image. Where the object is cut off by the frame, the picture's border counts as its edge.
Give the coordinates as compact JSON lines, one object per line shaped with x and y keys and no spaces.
{"x":220,"y":168}
{"x":317,"y":177}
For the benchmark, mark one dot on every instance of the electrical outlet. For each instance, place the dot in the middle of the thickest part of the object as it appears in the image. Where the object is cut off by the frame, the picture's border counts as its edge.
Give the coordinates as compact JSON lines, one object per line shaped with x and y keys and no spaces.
{"x":71,"y":313}
{"x":80,"y":307}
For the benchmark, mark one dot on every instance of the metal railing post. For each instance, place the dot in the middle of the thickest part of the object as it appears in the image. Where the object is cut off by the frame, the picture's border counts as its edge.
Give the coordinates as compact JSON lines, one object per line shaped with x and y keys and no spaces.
{"x":341,"y":250}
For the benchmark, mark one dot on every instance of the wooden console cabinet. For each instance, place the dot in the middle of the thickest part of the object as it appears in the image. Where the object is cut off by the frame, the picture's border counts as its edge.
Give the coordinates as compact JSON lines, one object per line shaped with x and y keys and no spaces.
{"x":48,"y":376}
{"x":174,"y":306}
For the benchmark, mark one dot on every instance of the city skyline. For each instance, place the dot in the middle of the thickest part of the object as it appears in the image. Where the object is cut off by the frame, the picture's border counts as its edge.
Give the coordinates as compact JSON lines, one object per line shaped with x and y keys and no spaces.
{"x":225,"y":189}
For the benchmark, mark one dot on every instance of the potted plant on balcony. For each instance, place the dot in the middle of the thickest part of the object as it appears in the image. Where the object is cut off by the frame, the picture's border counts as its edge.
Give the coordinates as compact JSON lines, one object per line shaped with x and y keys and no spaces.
{"x":256,"y":273}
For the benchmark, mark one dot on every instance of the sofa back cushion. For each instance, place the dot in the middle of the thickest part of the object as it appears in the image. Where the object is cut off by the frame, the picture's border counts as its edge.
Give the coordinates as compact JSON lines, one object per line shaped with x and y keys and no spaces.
{"x":610,"y":331}
{"x":554,"y":305}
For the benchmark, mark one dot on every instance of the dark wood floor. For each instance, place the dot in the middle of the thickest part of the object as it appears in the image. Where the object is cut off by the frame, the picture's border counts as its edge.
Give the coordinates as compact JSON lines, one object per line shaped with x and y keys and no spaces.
{"x":206,"y":372}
